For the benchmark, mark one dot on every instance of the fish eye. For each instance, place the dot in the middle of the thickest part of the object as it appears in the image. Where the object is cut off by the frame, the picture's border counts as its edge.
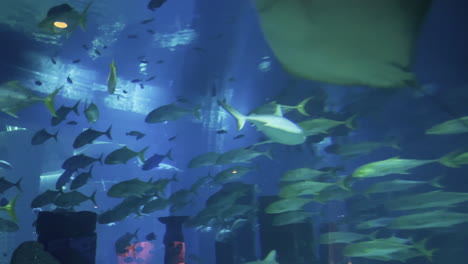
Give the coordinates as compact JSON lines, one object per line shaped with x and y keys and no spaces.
{"x":60,"y":24}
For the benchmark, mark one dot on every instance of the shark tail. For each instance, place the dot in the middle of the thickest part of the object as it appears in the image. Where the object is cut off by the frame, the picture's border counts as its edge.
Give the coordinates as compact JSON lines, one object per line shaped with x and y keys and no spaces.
{"x":49,"y":101}
{"x":236,"y":114}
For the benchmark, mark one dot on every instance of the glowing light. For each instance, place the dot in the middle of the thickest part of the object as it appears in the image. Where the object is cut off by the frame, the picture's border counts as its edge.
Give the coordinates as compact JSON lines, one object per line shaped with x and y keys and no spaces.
{"x":234,"y":171}
{"x":60,"y":24}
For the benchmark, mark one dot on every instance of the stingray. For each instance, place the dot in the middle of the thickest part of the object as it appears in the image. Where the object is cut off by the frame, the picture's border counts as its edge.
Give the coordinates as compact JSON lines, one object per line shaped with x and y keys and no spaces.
{"x":345,"y":42}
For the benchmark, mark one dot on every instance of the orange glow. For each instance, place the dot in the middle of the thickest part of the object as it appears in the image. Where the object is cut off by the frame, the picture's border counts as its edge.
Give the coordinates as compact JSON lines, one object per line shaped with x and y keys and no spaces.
{"x":60,"y":24}
{"x":234,"y":171}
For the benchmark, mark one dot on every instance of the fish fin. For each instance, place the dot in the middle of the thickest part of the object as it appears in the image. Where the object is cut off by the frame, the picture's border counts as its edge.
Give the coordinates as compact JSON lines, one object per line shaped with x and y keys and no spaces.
{"x":278,"y":111}
{"x":93,"y":198}
{"x":10,"y":208}
{"x":18,"y":184}
{"x":55,"y":135}
{"x":349,"y":122}
{"x":344,"y":184}
{"x":75,"y":108}
{"x":108,"y":132}
{"x":268,"y":154}
{"x":90,"y":169}
{"x":141,"y":154}
{"x":13,"y":114}
{"x":301,"y":106}
{"x":196,"y":113}
{"x":83,"y":19}
{"x":174,"y":178}
{"x":421,"y":247}
{"x":100,"y":158}
{"x":13,"y":84}
{"x":236,"y":114}
{"x":436,"y":182}
{"x":49,"y":101}
{"x":169,"y":155}
{"x":271,"y":256}
{"x":447,"y":160}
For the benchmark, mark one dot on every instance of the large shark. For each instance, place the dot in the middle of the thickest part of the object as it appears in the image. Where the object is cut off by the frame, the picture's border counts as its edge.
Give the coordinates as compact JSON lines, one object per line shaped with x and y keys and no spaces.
{"x":276,"y":127}
{"x":14,"y":97}
{"x":358,"y":42}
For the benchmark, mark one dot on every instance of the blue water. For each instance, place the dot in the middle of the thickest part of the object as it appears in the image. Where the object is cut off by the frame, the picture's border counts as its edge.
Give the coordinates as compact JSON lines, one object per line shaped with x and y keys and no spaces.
{"x":200,"y":52}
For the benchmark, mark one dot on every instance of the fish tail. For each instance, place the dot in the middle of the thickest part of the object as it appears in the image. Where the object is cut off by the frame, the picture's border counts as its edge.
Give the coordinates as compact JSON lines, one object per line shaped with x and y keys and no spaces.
{"x":169,"y":155}
{"x":421,"y":247}
{"x":90,"y":169}
{"x":50,"y":100}
{"x":436,"y":182}
{"x":18,"y":184}
{"x":343,"y":183}
{"x":108,"y":132}
{"x":174,"y":178}
{"x":55,"y":136}
{"x":141,"y":154}
{"x":75,"y":108}
{"x":236,"y":114}
{"x":93,"y":198}
{"x":349,"y":123}
{"x":448,"y":159}
{"x":301,"y":106}
{"x":196,"y":113}
{"x":10,"y":208}
{"x":83,"y":18}
{"x":100,"y":158}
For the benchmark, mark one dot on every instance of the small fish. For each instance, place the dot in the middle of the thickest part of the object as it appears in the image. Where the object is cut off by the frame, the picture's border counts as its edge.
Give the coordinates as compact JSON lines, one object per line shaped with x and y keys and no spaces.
{"x":150,"y":31}
{"x":125,"y":91}
{"x":97,"y":52}
{"x":42,"y":136}
{"x":74,"y":198}
{"x":136,"y":134}
{"x":239,"y":136}
{"x":69,"y":80}
{"x":136,"y":81}
{"x":104,"y":47}
{"x":133,"y":36}
{"x":151,"y":236}
{"x":160,"y":61}
{"x":112,"y":79}
{"x":171,"y":138}
{"x":5,"y":165}
{"x":79,"y":162}
{"x":85,"y":47}
{"x":92,"y":113}
{"x":146,"y":21}
{"x":141,"y":57}
{"x":76,"y":61}
{"x":81,"y":179}
{"x":150,"y":78}
{"x":155,"y":160}
{"x":53,"y":60}
{"x":199,"y":49}
{"x":123,"y":155}
{"x":142,"y":86}
{"x":89,"y":135}
{"x":221,"y":131}
{"x":231,"y":79}
{"x":63,"y":20}
{"x":38,"y":83}
{"x":155,"y":4}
